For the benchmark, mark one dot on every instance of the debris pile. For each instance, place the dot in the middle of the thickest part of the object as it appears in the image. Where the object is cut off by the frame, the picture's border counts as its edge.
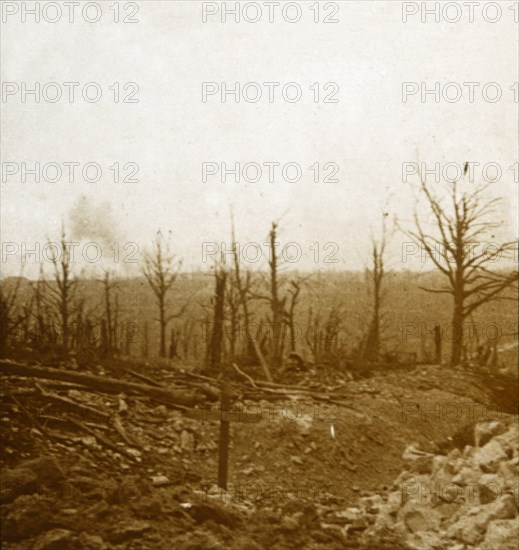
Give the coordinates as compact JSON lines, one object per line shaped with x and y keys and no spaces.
{"x":465,"y":499}
{"x":113,"y":459}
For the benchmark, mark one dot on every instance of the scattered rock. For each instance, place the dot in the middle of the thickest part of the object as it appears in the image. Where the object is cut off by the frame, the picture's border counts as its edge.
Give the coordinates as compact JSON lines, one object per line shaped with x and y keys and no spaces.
{"x":206,"y":511}
{"x":425,"y":540}
{"x":187,"y":441}
{"x":57,"y":539}
{"x":28,"y":515}
{"x":133,"y":452}
{"x":489,"y":456}
{"x":46,"y":468}
{"x":88,"y":441}
{"x":485,"y":431}
{"x":419,"y":517}
{"x":502,"y":534}
{"x":16,"y":482}
{"x":160,"y":481}
{"x":129,"y":530}
{"x":90,"y":542}
{"x":418,"y":461}
{"x":454,"y":501}
{"x":148,"y":508}
{"x":490,"y":488}
{"x":472,"y":526}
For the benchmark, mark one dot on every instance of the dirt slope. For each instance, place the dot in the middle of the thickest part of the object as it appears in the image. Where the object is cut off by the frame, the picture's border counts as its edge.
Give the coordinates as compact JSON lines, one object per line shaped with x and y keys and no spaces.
{"x":293,"y":473}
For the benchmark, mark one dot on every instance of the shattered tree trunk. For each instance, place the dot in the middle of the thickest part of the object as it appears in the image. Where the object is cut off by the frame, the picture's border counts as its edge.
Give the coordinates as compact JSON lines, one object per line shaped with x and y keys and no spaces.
{"x":215,"y":350}
{"x":437,"y":344}
{"x":108,"y":385}
{"x":145,"y":342}
{"x":277,"y":305}
{"x":215,"y":364}
{"x":242,"y":292}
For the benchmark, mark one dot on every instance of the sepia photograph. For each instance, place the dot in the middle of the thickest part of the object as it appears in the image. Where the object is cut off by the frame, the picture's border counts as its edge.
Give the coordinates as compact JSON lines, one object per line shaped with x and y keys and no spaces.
{"x":259,"y":275}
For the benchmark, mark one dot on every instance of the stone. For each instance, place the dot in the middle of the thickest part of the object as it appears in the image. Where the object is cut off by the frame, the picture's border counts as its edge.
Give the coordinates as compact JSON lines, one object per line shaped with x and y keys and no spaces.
{"x":502,"y":534}
{"x":90,"y":542}
{"x":349,"y":515}
{"x":394,"y":502}
{"x":357,"y":526}
{"x":187,"y":441}
{"x":160,"y":481}
{"x":466,"y":476}
{"x":57,"y":539}
{"x":509,"y":440}
{"x":196,"y":539}
{"x":424,"y":540}
{"x":485,"y":431}
{"x":438,"y":462}
{"x":454,"y":462}
{"x":371,"y":502}
{"x":128,"y":530}
{"x":161,"y":410}
{"x":418,"y":517}
{"x":291,"y":523}
{"x":489,"y":456}
{"x":418,"y":461}
{"x":471,"y":527}
{"x":46,"y":468}
{"x":454,"y":454}
{"x":133,"y":452}
{"x":417,"y":489}
{"x":147,"y":508}
{"x":28,"y":516}
{"x":490,"y":488}
{"x":468,"y":452}
{"x":16,"y":482}
{"x":509,"y":472}
{"x":205,"y":511}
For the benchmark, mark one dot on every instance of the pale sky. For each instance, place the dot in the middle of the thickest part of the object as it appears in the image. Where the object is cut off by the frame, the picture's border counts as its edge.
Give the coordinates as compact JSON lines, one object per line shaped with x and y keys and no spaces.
{"x":170,"y":132}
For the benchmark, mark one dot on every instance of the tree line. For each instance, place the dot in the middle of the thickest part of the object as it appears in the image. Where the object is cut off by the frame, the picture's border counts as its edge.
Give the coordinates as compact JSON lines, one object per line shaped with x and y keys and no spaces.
{"x":248,"y":302}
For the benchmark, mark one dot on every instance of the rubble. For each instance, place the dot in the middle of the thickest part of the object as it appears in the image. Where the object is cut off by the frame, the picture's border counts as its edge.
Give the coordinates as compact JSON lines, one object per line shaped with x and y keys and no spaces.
{"x":139,"y":473}
{"x":467,"y":498}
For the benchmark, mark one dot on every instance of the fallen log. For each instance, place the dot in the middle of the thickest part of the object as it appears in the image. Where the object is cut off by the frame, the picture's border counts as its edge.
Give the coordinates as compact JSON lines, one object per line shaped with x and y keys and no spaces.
{"x":143,"y":378}
{"x":109,"y":385}
{"x":72,"y":406}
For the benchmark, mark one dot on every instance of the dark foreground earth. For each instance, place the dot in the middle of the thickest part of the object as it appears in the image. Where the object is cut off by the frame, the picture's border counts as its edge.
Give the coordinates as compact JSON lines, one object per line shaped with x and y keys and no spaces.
{"x":419,"y":459}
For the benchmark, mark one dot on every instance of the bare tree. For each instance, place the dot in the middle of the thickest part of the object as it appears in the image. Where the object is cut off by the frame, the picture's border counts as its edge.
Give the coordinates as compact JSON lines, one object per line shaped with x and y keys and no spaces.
{"x":243,"y":286}
{"x":186,"y":336}
{"x":111,"y":313}
{"x":277,"y":303}
{"x":323,"y":337}
{"x":215,"y":345}
{"x":294,"y":294}
{"x":233,"y":305}
{"x":146,"y":340}
{"x":460,"y":221}
{"x":61,"y":294}
{"x":161,"y":271}
{"x":312,"y":335}
{"x":375,"y":275}
{"x":37,"y":288}
{"x":8,"y":322}
{"x":173,"y":343}
{"x":279,"y":316}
